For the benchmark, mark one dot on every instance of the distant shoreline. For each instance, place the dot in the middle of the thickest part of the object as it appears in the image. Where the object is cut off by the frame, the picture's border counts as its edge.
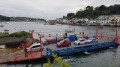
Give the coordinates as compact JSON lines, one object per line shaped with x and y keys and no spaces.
{"x":89,"y":25}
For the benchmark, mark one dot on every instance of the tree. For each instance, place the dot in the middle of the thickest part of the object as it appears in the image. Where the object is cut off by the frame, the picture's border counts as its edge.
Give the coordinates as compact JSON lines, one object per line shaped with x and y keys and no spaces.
{"x":58,"y":62}
{"x":70,"y":15}
{"x":89,"y":8}
{"x":102,"y":8}
{"x":91,"y":13}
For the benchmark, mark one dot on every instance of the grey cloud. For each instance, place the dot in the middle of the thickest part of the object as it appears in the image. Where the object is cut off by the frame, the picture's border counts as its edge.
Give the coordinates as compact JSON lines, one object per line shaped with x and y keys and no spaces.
{"x":49,"y":9}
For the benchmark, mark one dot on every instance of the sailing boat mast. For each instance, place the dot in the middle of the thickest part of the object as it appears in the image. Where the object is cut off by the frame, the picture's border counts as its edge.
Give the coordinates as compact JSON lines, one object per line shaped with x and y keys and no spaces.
{"x":1,"y":25}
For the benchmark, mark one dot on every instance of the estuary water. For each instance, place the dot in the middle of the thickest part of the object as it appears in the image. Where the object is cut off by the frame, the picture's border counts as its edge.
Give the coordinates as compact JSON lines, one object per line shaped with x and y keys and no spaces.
{"x":108,"y":57}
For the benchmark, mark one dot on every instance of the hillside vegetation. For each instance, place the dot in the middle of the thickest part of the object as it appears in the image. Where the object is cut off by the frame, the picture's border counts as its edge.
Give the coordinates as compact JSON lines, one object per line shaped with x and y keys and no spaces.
{"x":15,"y":34}
{"x":91,"y":12}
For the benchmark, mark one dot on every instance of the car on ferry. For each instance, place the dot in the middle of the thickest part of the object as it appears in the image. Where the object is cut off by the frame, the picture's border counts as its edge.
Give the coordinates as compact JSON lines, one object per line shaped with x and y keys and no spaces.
{"x":92,"y":40}
{"x":80,"y":41}
{"x":63,"y":43}
{"x":34,"y":47}
{"x":85,"y":41}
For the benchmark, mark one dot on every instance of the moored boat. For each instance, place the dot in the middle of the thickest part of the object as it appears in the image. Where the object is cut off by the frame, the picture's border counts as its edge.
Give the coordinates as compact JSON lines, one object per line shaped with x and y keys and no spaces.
{"x":1,"y":25}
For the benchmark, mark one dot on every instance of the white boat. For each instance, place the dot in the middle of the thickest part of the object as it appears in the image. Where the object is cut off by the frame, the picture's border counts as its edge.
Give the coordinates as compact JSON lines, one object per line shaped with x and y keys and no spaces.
{"x":70,"y":30}
{"x":1,"y":25}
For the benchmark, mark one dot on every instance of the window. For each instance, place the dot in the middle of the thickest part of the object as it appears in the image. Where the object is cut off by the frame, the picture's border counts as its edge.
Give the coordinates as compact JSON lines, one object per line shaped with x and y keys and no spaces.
{"x":82,"y":40}
{"x":36,"y":46}
{"x":67,"y":41}
{"x":62,"y":41}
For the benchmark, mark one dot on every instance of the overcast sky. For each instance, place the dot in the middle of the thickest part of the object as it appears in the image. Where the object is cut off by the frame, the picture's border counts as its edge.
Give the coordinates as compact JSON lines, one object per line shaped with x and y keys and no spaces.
{"x":48,"y":9}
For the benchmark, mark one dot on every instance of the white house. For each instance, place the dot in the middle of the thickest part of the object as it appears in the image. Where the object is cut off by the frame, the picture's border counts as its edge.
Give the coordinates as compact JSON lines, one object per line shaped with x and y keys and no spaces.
{"x":92,"y":22}
{"x":115,"y":20}
{"x":104,"y":20}
{"x":82,"y":21}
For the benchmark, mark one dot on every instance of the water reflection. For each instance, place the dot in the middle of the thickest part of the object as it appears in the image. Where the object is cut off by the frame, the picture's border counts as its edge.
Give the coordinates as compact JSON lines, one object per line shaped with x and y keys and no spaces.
{"x":107,"y":57}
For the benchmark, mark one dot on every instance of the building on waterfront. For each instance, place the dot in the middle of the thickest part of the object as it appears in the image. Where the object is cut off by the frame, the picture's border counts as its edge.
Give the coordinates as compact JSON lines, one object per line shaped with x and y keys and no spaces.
{"x":104,"y":20}
{"x":52,"y":22}
{"x":82,"y":21}
{"x":58,"y":20}
{"x":109,"y":20}
{"x":62,"y":20}
{"x":115,"y":20}
{"x":66,"y":21}
{"x":92,"y":22}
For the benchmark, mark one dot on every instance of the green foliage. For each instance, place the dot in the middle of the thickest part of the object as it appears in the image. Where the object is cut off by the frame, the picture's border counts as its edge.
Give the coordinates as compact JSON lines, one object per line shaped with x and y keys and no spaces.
{"x":91,"y":13}
{"x":3,"y":35}
{"x":70,"y":15}
{"x":119,"y":66}
{"x":19,"y":34}
{"x":5,"y":18}
{"x":15,"y":34}
{"x":65,"y":64}
{"x":58,"y":62}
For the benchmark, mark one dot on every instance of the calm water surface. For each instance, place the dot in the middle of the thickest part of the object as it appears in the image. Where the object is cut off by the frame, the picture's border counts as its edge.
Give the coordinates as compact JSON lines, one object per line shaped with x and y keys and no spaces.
{"x":109,"y":57}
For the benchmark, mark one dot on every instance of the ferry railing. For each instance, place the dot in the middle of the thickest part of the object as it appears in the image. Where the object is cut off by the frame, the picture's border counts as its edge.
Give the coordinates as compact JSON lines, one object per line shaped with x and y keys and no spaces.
{"x":79,"y":48}
{"x":105,"y":37}
{"x":20,"y":56}
{"x":28,"y":55}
